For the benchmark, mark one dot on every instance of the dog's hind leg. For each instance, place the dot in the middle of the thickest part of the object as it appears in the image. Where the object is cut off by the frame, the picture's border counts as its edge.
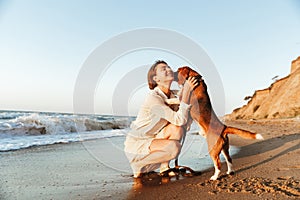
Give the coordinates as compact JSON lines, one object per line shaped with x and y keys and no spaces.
{"x":228,"y":159}
{"x":225,"y":152}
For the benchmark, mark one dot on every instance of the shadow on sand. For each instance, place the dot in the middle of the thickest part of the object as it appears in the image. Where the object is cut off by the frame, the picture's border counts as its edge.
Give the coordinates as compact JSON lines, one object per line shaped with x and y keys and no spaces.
{"x":268,"y":145}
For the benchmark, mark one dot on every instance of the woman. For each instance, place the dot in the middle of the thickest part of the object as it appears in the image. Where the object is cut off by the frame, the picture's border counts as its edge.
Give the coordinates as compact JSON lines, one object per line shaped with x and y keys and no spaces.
{"x":155,"y":135}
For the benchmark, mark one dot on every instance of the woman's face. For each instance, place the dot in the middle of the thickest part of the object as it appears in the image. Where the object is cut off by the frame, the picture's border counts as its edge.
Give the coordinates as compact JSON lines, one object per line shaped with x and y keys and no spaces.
{"x":163,"y":73}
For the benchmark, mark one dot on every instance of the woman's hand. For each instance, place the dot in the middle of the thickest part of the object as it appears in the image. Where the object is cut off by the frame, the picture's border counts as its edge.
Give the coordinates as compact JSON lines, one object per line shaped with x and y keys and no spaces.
{"x":190,"y":84}
{"x":188,"y":87}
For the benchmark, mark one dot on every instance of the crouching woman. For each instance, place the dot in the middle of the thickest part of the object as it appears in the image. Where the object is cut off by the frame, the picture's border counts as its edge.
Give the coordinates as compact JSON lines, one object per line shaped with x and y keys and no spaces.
{"x":154,"y":138}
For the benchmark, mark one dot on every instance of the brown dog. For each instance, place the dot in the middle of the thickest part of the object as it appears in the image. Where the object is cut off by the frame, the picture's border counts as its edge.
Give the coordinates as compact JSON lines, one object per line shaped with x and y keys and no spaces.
{"x":215,"y":131}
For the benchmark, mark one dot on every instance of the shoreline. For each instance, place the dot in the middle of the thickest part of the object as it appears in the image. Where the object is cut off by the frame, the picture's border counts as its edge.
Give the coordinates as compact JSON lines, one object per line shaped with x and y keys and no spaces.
{"x":267,"y":169}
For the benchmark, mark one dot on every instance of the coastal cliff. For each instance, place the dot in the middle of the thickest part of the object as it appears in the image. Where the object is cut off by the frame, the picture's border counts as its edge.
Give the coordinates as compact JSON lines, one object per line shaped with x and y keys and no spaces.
{"x":280,"y":100}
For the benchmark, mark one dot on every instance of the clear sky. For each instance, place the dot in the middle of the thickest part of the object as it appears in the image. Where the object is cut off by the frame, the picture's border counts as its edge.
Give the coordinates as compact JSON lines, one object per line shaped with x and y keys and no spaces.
{"x":43,"y":45}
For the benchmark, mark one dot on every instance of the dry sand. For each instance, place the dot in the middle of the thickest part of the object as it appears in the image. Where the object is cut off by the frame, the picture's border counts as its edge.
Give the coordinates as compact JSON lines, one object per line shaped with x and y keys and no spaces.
{"x":268,"y":169}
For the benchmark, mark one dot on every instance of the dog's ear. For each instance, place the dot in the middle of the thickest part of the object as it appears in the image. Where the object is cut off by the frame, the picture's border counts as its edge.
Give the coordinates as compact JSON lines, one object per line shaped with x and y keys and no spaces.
{"x":182,"y":74}
{"x":193,"y":73}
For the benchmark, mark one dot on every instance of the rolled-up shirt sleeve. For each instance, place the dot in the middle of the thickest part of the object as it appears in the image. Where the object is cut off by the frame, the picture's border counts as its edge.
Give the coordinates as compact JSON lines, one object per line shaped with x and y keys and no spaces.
{"x":160,"y":109}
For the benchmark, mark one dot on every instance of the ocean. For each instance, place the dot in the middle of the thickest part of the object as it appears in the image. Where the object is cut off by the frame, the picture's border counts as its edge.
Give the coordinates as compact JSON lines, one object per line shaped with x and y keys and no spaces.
{"x":21,"y":129}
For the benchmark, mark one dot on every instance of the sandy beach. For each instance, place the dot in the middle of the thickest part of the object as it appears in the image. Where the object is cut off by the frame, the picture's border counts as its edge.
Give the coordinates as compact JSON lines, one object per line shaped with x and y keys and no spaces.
{"x":268,"y":169}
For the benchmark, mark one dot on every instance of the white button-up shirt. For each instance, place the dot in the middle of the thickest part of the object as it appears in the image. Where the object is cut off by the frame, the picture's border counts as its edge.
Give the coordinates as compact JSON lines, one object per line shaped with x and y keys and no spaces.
{"x":154,"y":114}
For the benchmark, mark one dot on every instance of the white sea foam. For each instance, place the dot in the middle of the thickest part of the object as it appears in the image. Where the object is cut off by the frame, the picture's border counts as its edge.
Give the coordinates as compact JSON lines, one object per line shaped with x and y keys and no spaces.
{"x":36,"y":124}
{"x":25,"y":129}
{"x":20,"y":142}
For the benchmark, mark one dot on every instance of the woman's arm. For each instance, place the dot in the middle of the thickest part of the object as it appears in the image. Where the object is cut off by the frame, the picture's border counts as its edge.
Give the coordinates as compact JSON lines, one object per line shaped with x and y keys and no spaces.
{"x":188,"y":87}
{"x":179,"y":118}
{"x":159,"y":110}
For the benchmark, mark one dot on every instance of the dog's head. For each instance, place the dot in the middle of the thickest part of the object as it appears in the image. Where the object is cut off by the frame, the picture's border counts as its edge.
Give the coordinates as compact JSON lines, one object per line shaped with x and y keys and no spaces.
{"x":184,"y":73}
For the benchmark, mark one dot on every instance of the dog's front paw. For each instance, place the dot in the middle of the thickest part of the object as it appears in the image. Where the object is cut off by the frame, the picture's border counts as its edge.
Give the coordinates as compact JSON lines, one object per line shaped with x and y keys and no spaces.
{"x":213,"y":178}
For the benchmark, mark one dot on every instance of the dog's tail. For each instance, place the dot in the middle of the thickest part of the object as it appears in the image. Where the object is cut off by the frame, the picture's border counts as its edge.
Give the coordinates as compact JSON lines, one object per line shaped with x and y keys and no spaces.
{"x":243,"y":133}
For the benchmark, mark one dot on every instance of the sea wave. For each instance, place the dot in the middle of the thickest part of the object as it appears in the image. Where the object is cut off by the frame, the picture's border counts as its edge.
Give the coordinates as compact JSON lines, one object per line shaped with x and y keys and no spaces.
{"x":6,"y":115}
{"x":20,"y":130}
{"x":39,"y":124}
{"x":21,"y":142}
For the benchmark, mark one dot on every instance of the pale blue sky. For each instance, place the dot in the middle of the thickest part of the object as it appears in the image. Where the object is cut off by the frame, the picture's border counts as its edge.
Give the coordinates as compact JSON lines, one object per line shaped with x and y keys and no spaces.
{"x":43,"y":45}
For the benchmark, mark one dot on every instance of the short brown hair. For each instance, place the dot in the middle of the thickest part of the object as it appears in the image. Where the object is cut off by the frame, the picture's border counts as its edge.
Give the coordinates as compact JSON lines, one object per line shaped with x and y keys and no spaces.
{"x":152,"y":72}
